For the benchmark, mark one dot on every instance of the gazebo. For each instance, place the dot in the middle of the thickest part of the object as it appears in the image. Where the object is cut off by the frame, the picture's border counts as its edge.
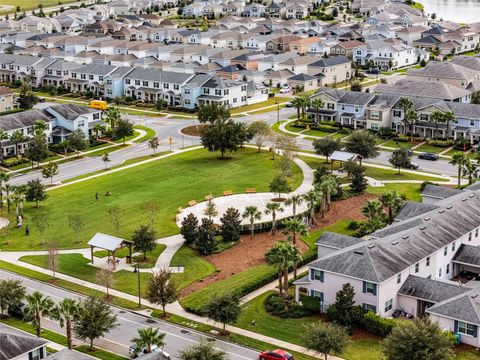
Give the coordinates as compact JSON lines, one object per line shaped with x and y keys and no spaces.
{"x":344,"y":156}
{"x":111,"y":244}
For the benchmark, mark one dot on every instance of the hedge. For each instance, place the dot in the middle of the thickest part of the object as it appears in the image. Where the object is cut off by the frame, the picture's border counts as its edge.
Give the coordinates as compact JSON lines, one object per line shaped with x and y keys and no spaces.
{"x":441,"y":143}
{"x":376,"y":324}
{"x":275,"y":305}
{"x":10,"y":162}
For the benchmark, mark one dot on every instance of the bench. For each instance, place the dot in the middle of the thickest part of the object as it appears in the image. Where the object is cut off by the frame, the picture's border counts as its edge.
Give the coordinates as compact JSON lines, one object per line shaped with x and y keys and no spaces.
{"x":209,"y":197}
{"x":250,"y":190}
{"x":227,"y":192}
{"x":192,"y":203}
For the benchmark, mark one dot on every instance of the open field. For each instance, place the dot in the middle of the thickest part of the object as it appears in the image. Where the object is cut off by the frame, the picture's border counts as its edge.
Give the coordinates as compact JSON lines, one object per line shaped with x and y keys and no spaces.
{"x":33,"y":4}
{"x":270,"y":102}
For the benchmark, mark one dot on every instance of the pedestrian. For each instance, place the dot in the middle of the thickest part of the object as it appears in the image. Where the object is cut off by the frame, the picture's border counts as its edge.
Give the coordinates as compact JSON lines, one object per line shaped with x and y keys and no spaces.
{"x":27,"y":230}
{"x":96,"y":196}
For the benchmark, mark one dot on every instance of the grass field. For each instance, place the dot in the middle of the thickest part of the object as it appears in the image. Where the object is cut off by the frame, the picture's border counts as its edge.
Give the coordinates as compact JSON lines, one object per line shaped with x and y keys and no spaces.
{"x":170,"y":182}
{"x":411,"y":191}
{"x":270,"y":102}
{"x":196,"y":267}
{"x":150,"y":133}
{"x":33,"y":4}
{"x":431,"y":148}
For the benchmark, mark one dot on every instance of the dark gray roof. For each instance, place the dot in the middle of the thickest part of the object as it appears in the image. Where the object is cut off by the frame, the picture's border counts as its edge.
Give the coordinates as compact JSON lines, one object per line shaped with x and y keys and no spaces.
{"x":23,"y":119}
{"x":158,"y":75}
{"x":15,"y":343}
{"x":346,"y":97}
{"x":465,"y":307}
{"x":439,"y":192}
{"x":338,"y":241}
{"x":71,"y":111}
{"x":468,"y":254}
{"x":303,"y":280}
{"x":67,"y":354}
{"x":430,"y":290}
{"x":331,"y":61}
{"x":474,"y":186}
{"x":414,"y":208}
{"x":302,"y":77}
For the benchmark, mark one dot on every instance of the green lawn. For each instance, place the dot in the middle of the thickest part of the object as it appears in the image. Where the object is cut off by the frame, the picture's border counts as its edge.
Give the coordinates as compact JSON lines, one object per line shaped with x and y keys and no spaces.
{"x":340,"y":227}
{"x":33,"y":4}
{"x":151,"y":257}
{"x":170,"y":182}
{"x":399,"y":144}
{"x":150,"y":133}
{"x":128,"y":138}
{"x":318,"y":133}
{"x":431,"y":148}
{"x":294,"y":129}
{"x":468,"y":355}
{"x":270,"y":102}
{"x":411,"y":191}
{"x":196,"y":267}
{"x":101,"y":152}
{"x":276,"y":128}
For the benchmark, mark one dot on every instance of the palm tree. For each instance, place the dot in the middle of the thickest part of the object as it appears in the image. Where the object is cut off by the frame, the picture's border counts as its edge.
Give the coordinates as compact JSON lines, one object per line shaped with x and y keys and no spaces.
{"x":294,"y":200}
{"x":97,"y":129}
{"x":297,"y":103}
{"x":4,"y":178}
{"x":328,"y":186}
{"x":447,"y":118}
{"x":66,"y":311}
{"x":460,"y":160}
{"x":38,"y":306}
{"x":410,"y":118}
{"x":316,"y":105}
{"x":405,"y":104}
{"x":471,"y":171}
{"x":112,"y":116}
{"x":274,"y":257}
{"x":252,"y":213}
{"x":295,"y":227}
{"x":436,"y":117}
{"x":153,"y":144}
{"x":305,"y":103}
{"x":372,"y":210}
{"x":393,"y":201}
{"x":273,"y":208}
{"x":3,"y":136}
{"x":211,"y":113}
{"x":313,"y":199}
{"x":8,"y":189}
{"x":16,"y":137}
{"x":148,"y":337}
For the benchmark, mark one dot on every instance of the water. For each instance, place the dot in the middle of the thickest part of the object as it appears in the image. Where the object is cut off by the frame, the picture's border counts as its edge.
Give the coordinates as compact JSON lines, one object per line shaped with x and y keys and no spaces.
{"x":461,"y":11}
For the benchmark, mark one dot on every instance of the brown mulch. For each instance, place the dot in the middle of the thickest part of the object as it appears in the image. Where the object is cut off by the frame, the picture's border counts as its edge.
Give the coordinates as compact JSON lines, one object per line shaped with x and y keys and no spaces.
{"x":193,"y":130}
{"x":251,"y":252}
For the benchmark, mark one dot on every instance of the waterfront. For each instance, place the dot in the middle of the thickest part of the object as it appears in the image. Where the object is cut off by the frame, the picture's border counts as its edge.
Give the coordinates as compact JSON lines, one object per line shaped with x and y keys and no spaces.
{"x":462,"y":11}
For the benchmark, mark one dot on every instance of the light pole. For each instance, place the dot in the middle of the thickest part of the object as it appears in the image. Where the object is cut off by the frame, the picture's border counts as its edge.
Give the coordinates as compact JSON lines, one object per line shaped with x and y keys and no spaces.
{"x":137,"y":270}
{"x":278,"y":111}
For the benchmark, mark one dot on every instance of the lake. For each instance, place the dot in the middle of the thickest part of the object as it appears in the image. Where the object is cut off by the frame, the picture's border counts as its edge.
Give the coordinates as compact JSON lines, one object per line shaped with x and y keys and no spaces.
{"x":461,"y":11}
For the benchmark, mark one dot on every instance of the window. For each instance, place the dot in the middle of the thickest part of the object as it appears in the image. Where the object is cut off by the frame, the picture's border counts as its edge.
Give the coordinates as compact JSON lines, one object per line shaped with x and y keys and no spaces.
{"x":127,"y":81}
{"x":100,"y":78}
{"x":218,"y":92}
{"x":187,"y":102}
{"x":176,"y":87}
{"x":369,"y":307}
{"x":90,"y":77}
{"x":466,"y":328}
{"x":470,"y":236}
{"x":137,"y":82}
{"x":397,"y":113}
{"x":453,"y":246}
{"x":440,"y":272}
{"x":476,"y":233}
{"x":317,"y":294}
{"x":399,"y":278}
{"x":316,"y":275}
{"x":388,"y":305}
{"x":445,"y":251}
{"x":165,"y":86}
{"x":374,"y":114}
{"x":427,"y":263}
{"x":374,"y":127}
{"x":36,"y":354}
{"x":447,"y":269}
{"x":81,"y":123}
{"x":330,"y":106}
{"x":156,"y":85}
{"x":369,"y":288}
{"x":145,"y":83}
{"x":417,"y":268}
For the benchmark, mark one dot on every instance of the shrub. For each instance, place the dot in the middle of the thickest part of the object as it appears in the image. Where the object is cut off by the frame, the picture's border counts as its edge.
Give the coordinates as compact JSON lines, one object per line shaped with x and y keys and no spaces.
{"x":440,"y":143}
{"x":10,"y":162}
{"x":402,"y":138}
{"x":326,"y":128}
{"x":385,"y":132}
{"x":275,"y":305}
{"x":353,"y":225}
{"x":344,"y":131}
{"x":310,"y":304}
{"x":424,"y":184}
{"x":376,"y":324}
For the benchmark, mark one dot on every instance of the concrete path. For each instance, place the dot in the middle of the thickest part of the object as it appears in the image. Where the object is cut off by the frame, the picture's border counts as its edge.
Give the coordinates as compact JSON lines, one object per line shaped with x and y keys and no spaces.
{"x":173,"y":243}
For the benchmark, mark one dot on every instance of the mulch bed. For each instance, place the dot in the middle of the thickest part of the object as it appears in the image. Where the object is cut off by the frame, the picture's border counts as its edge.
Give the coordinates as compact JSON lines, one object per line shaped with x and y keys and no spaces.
{"x":193,"y":130}
{"x":251,"y":252}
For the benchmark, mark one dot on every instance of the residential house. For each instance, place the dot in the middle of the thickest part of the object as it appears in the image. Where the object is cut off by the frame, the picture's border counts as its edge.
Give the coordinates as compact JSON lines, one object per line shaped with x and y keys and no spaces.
{"x":303,"y":82}
{"x":6,"y":99}
{"x":229,"y":93}
{"x":20,"y":345}
{"x":332,"y":70}
{"x":254,"y":10}
{"x":302,"y":46}
{"x":282,"y":43}
{"x":345,"y":48}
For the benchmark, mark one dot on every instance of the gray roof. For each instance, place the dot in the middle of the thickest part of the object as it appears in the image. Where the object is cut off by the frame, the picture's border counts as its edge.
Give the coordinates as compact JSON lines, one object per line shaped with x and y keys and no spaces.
{"x":468,"y":254}
{"x":71,"y":111}
{"x":302,"y":77}
{"x":340,"y":155}
{"x":414,"y":208}
{"x":158,"y":75}
{"x":198,"y":80}
{"x":474,"y":186}
{"x":338,"y":241}
{"x":23,"y":119}
{"x":430,"y":290}
{"x":67,"y":354}
{"x":439,"y":192}
{"x":464,"y":307}
{"x":15,"y":343}
{"x":346,"y":97}
{"x":331,"y":61}
{"x":96,"y":69}
{"x":104,"y":241}
{"x":396,"y":228}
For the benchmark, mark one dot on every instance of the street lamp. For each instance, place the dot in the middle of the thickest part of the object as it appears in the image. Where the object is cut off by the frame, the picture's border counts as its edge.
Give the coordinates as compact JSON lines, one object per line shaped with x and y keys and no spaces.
{"x":137,"y":270}
{"x":278,"y":111}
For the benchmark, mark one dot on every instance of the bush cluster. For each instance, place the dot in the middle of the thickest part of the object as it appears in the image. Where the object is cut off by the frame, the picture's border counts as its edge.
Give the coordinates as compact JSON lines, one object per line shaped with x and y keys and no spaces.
{"x":275,"y":305}
{"x":376,"y":324}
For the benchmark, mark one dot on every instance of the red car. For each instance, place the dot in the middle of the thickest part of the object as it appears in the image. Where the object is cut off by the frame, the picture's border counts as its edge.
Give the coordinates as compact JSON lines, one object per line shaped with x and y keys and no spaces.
{"x":275,"y":355}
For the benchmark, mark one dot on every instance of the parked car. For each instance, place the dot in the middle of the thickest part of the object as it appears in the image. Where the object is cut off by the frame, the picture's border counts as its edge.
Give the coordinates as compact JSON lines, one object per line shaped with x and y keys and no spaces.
{"x":17,"y":311}
{"x":132,"y":351}
{"x":41,"y":99}
{"x":285,"y":90}
{"x":428,"y":156}
{"x":289,"y":104}
{"x":412,"y":165}
{"x":278,"y":354}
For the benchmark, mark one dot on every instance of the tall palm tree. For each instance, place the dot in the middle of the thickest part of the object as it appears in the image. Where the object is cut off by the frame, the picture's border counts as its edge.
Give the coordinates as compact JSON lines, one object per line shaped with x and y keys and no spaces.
{"x":372,"y":210}
{"x":448,"y":117}
{"x":16,"y":137}
{"x":112,"y":116}
{"x":252,"y":213}
{"x":294,"y":200}
{"x":38,"y":306}
{"x":273,"y":208}
{"x":296,"y":227}
{"x":3,"y":136}
{"x":211,"y":113}
{"x":305,"y":103}
{"x":66,"y":311}
{"x":471,"y":171}
{"x":98,"y":129}
{"x":297,"y":104}
{"x":147,"y":337}
{"x":328,"y":186}
{"x":436,"y":117}
{"x":275,"y":257}
{"x":8,"y":189}
{"x":313,"y":199}
{"x":410,"y":118}
{"x":4,"y":178}
{"x":460,"y":160}
{"x":393,"y":202}
{"x":405,"y":104}
{"x":316,"y":105}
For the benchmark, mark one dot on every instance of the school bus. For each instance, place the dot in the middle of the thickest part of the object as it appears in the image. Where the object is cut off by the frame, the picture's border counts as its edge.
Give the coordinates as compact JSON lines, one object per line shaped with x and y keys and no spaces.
{"x":98,"y":104}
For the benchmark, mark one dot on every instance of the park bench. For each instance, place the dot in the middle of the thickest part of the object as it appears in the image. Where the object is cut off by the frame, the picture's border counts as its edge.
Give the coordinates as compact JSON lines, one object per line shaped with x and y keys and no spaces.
{"x":250,"y":190}
{"x":227,"y":192}
{"x":192,"y":203}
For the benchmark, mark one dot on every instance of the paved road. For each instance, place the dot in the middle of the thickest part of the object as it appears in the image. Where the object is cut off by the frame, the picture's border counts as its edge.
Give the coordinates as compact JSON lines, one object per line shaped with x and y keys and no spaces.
{"x":118,"y":340}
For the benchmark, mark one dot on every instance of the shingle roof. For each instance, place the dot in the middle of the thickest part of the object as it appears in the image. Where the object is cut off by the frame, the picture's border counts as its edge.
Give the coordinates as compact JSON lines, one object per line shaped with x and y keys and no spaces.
{"x":23,"y":119}
{"x":338,"y":241}
{"x":331,"y":61}
{"x":465,"y":307}
{"x":430,"y":290}
{"x":414,"y":208}
{"x":71,"y":111}
{"x":15,"y":343}
{"x":439,"y":192}
{"x":468,"y":254}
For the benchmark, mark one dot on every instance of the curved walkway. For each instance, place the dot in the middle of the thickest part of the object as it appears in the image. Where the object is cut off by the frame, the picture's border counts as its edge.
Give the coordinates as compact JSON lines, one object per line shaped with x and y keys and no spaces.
{"x":260,"y":200}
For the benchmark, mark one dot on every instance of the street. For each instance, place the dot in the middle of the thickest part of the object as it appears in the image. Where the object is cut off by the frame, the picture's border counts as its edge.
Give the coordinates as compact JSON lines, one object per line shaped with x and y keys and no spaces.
{"x":119,"y":339}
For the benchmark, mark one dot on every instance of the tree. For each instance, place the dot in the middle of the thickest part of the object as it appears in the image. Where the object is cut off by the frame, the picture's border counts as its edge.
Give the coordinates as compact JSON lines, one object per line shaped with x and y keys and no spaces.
{"x":153,"y":144}
{"x":393,"y":202}
{"x":448,"y":117}
{"x":106,"y":159}
{"x":260,"y":132}
{"x":273,"y":208}
{"x":105,"y":277}
{"x":210,"y":210}
{"x":76,"y":223}
{"x":343,"y":312}
{"x":356,"y":86}
{"x":288,"y":147}
{"x":148,"y":337}
{"x":316,"y":105}
{"x":252,"y":213}
{"x":372,"y":210}
{"x":325,"y":338}
{"x":471,"y":171}
{"x":115,"y":215}
{"x":459,"y":159}
{"x":212,"y":113}
{"x":162,"y":289}
{"x":35,"y":191}
{"x":189,"y":229}
{"x":224,"y":136}
{"x":49,"y":171}
{"x":313,"y":199}
{"x":400,"y":158}
{"x":16,"y":138}
{"x":26,"y":98}
{"x":77,"y":141}
{"x":279,"y":185}
{"x":206,"y":243}
{"x":363,"y":143}
{"x":326,"y":146}
{"x":405,"y":103}
{"x":150,"y":208}
{"x":38,"y":306}
{"x":418,"y":339}
{"x":67,"y":311}
{"x":123,"y":129}
{"x":223,"y":308}
{"x":294,"y":200}
{"x":475,"y":98}
{"x":144,"y":240}
{"x":12,"y":293}
{"x":410,"y":118}
{"x":37,"y":150}
{"x":95,"y":319}
{"x":97,"y":128}
{"x":41,"y":220}
{"x":436,"y":117}
{"x":296,"y":227}
{"x":112,"y":116}
{"x":357,"y":173}
{"x":328,"y":186}
{"x":230,"y":225}
{"x":52,"y":257}
{"x":202,"y":351}
{"x":4,"y":178}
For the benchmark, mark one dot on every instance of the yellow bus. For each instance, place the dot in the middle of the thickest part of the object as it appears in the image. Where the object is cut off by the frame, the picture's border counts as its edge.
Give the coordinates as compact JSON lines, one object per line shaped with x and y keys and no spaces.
{"x":98,"y":104}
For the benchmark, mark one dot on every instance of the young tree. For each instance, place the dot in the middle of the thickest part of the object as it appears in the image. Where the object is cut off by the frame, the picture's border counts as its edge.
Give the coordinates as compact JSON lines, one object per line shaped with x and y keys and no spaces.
{"x":326,"y":146}
{"x":294,"y":200}
{"x":418,"y":339}
{"x":279,"y":185}
{"x":359,"y":183}
{"x":4,"y":178}
{"x":459,"y":159}
{"x":210,"y":210}
{"x":288,"y":147}
{"x":35,"y":191}
{"x":123,"y":129}
{"x":260,"y":132}
{"x":38,"y":306}
{"x":212,"y":113}
{"x":52,"y":258}
{"x":27,"y":97}
{"x":162,"y":289}
{"x":112,"y":116}
{"x":41,"y":220}
{"x":325,"y":338}
{"x":356,"y":86}
{"x":223,"y":308}
{"x":12,"y":292}
{"x":363,"y":143}
{"x":151,"y":209}
{"x":314,"y":200}
{"x":95,"y":319}
{"x":296,"y":227}
{"x":400,"y":158}
{"x":49,"y":171}
{"x":393,"y":202}
{"x":343,"y":312}
{"x":189,"y":229}
{"x":206,"y":243}
{"x":224,"y":136}
{"x":115,"y":215}
{"x":147,"y":337}
{"x":37,"y":150}
{"x":252,"y":213}
{"x":106,"y":159}
{"x":76,"y":223}
{"x":67,"y":311}
{"x":328,"y":186}
{"x":153,"y":144}
{"x":144,"y":240}
{"x":230,"y":225}
{"x":202,"y":350}
{"x":273,"y":208}
{"x":105,"y":277}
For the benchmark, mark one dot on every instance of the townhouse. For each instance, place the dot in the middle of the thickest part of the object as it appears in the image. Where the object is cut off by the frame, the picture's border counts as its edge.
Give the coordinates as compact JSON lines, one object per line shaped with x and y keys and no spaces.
{"x":412,"y":265}
{"x":331,"y":70}
{"x":6,"y":99}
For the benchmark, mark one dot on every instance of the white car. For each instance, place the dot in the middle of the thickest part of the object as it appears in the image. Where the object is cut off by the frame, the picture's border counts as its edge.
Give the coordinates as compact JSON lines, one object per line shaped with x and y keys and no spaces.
{"x":155,"y":349}
{"x":285,"y":90}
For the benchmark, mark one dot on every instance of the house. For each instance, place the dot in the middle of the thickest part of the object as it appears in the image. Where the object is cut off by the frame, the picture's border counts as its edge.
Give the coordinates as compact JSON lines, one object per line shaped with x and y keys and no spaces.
{"x":411,"y":265}
{"x":345,"y":48}
{"x":19,"y":345}
{"x":282,"y":43}
{"x":6,"y":99}
{"x":332,"y":70}
{"x":229,"y":93}
{"x":303,"y":82}
{"x":303,"y":45}
{"x":254,"y":10}
{"x":193,"y":10}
